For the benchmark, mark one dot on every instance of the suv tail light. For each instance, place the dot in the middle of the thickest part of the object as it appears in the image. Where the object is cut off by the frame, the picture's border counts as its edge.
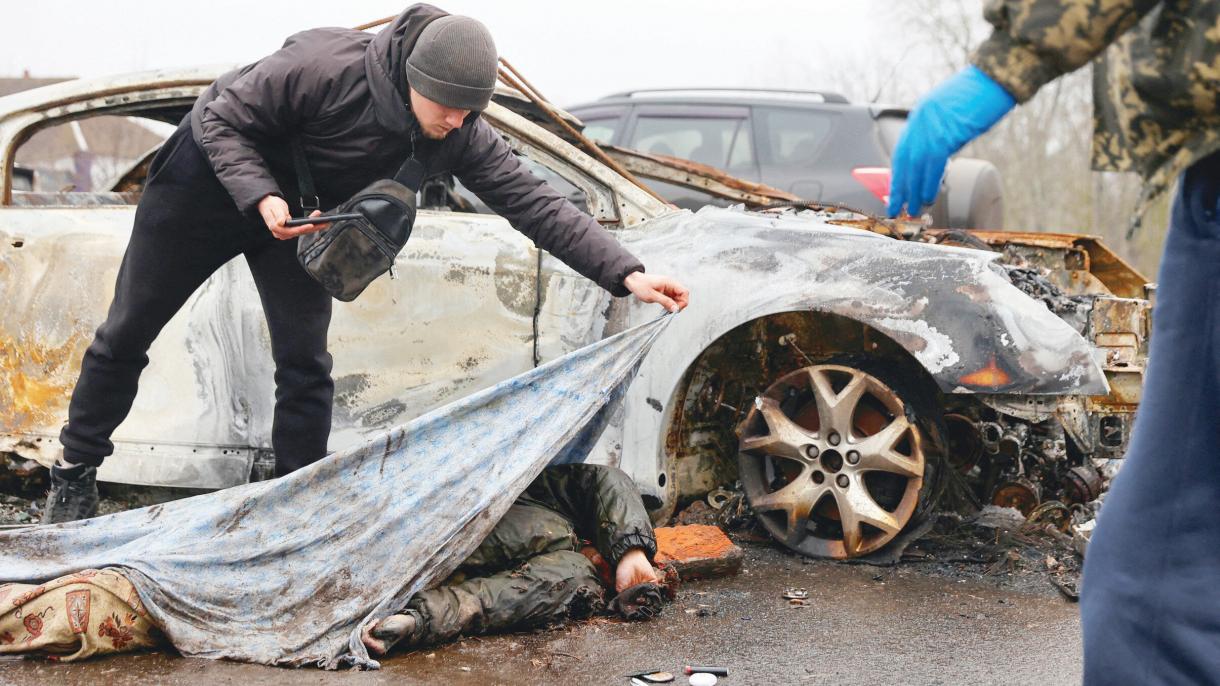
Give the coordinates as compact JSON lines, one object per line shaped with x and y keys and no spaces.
{"x":875,"y":179}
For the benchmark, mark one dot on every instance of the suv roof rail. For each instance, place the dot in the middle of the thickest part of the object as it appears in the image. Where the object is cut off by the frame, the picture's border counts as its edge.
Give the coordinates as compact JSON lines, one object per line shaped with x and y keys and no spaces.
{"x":827,"y":96}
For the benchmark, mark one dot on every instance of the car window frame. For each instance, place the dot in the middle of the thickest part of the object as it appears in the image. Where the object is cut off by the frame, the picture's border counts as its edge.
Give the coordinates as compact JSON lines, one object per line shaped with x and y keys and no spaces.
{"x":697,"y":111}
{"x":131,"y":102}
{"x":604,"y":195}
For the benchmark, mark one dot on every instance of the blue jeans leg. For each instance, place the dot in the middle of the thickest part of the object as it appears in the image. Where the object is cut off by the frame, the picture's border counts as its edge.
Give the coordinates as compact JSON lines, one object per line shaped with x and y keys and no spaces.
{"x":1150,"y":601}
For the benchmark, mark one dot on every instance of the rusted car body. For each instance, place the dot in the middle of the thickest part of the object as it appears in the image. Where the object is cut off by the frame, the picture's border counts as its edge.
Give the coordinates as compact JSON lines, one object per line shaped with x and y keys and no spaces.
{"x":1034,"y":392}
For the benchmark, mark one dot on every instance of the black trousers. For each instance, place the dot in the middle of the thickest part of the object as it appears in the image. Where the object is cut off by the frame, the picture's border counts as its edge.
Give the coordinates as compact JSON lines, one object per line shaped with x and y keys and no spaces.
{"x":187,"y":227}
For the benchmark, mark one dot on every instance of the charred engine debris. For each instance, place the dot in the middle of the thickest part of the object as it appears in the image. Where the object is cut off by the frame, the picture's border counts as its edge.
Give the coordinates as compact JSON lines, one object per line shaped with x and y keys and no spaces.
{"x":1047,"y":457}
{"x":1074,"y":309}
{"x":1030,"y":466}
{"x":1010,"y":452}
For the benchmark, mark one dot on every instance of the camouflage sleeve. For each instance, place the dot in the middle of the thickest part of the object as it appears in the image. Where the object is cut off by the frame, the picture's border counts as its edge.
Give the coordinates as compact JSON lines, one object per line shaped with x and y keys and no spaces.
{"x":1037,"y":41}
{"x":603,"y":502}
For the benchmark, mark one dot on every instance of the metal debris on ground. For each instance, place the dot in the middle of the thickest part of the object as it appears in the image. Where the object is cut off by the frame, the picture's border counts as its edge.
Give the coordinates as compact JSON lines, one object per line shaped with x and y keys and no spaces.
{"x":999,"y":518}
{"x":1051,"y":512}
{"x":1001,"y":542}
{"x":698,"y":512}
{"x":1081,"y":533}
{"x":796,"y":594}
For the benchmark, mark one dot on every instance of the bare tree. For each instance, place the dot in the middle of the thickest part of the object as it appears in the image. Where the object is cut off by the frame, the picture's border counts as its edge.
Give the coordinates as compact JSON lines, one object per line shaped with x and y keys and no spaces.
{"x":1043,"y":148}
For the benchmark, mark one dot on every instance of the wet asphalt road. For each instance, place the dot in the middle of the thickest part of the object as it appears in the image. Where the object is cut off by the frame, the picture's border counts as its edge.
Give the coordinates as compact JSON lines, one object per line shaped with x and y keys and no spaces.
{"x":863,"y":625}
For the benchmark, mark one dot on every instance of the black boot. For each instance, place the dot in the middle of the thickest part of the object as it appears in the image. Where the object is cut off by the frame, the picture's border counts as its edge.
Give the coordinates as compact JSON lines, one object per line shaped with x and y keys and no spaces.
{"x":73,"y":494}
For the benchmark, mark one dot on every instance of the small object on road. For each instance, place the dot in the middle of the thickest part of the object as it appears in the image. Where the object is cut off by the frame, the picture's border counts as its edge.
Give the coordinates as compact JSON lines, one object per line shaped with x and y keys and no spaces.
{"x":701,"y":611}
{"x":718,"y":671}
{"x":796,"y":594}
{"x":797,"y":602}
{"x":1067,"y":589}
{"x":702,"y":679}
{"x":652,"y":676}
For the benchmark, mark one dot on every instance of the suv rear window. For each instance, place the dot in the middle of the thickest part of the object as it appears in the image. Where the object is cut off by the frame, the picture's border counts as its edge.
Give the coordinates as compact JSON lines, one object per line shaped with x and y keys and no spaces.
{"x":601,"y":130}
{"x":792,"y":137}
{"x":722,"y":142}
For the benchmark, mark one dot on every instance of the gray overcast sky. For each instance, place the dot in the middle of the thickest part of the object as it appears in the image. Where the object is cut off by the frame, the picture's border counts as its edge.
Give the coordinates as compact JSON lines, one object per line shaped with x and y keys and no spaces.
{"x":572,"y":51}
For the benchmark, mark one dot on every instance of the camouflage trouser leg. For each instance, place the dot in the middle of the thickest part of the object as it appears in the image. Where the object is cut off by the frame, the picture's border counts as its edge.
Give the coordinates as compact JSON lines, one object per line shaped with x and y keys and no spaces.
{"x":548,"y":588}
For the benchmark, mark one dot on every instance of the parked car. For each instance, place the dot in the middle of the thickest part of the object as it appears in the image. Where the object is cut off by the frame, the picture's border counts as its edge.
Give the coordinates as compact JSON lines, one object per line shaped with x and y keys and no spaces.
{"x":814,"y":144}
{"x":838,"y":372}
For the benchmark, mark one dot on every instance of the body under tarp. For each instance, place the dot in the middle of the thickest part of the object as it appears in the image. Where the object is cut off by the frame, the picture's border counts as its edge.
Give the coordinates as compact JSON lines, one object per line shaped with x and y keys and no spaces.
{"x":288,"y":571}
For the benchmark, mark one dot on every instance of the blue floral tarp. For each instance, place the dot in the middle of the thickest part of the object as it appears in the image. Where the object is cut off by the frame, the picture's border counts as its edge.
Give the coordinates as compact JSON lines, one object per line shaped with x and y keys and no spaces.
{"x":287,"y":571}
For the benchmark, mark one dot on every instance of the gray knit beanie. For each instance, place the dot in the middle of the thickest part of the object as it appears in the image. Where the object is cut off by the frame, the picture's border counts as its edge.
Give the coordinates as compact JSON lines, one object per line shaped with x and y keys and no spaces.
{"x":454,"y":63}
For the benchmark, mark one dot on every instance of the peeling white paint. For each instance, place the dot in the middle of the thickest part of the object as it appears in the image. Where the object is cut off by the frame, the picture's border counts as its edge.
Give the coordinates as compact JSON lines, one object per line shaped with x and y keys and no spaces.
{"x":938,"y":353}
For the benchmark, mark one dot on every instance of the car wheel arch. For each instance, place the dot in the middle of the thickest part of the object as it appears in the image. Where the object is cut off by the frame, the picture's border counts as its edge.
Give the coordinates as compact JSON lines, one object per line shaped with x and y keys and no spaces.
{"x":695,"y":447}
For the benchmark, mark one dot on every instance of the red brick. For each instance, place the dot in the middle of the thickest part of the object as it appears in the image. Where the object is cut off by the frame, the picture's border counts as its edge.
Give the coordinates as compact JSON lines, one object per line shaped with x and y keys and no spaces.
{"x":698,"y":551}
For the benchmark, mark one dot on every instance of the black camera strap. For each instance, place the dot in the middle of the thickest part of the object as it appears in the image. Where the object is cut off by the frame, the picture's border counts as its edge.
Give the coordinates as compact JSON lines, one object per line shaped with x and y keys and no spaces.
{"x":309,"y":194}
{"x":410,"y":174}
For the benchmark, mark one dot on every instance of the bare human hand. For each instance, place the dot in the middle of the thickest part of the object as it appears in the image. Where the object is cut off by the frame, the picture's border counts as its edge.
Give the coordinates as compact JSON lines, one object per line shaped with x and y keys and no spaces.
{"x":654,"y":288}
{"x":634,"y":568}
{"x":274,"y":211}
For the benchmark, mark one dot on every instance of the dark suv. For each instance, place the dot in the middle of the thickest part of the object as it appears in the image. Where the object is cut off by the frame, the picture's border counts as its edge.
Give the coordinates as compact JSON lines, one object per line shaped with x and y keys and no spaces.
{"x":815,"y":145}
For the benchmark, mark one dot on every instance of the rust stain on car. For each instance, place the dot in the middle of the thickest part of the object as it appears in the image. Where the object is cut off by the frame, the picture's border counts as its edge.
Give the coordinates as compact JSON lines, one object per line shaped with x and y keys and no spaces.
{"x":38,"y":380}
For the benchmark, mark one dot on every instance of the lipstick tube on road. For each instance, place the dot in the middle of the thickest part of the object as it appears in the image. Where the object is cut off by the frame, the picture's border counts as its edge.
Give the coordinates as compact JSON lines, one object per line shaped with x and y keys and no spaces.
{"x":718,"y":671}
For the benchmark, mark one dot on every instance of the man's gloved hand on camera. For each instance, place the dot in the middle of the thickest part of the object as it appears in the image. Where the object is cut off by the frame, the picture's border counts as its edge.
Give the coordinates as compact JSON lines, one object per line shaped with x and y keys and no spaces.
{"x":954,"y":113}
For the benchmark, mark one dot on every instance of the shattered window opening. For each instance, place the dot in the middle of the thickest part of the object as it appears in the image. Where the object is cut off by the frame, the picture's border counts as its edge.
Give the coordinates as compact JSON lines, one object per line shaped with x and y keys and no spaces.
{"x":89,"y":154}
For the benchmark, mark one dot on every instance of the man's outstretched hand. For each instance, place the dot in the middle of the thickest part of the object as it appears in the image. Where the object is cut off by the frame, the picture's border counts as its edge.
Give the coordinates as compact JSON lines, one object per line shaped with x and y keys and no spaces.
{"x":274,"y":211}
{"x":654,"y":288}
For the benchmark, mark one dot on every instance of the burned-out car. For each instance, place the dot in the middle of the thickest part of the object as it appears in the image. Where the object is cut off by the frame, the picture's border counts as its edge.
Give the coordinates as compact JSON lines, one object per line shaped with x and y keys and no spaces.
{"x":840,"y":374}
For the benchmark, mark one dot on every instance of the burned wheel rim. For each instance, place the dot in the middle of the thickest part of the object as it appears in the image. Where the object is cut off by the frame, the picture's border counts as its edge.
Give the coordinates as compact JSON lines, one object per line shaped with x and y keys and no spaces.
{"x":831,"y":461}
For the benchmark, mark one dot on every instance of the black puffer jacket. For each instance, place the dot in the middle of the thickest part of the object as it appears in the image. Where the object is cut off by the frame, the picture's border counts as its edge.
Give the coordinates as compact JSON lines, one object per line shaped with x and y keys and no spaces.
{"x":343,"y":93}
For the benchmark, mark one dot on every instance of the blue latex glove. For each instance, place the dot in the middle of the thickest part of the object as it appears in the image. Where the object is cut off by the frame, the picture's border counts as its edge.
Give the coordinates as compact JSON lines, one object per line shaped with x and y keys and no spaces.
{"x":954,"y":113}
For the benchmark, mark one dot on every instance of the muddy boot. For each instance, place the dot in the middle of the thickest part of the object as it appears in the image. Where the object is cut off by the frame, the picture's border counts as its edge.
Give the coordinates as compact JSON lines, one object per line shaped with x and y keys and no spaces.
{"x":391,"y":631}
{"x":73,"y":493}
